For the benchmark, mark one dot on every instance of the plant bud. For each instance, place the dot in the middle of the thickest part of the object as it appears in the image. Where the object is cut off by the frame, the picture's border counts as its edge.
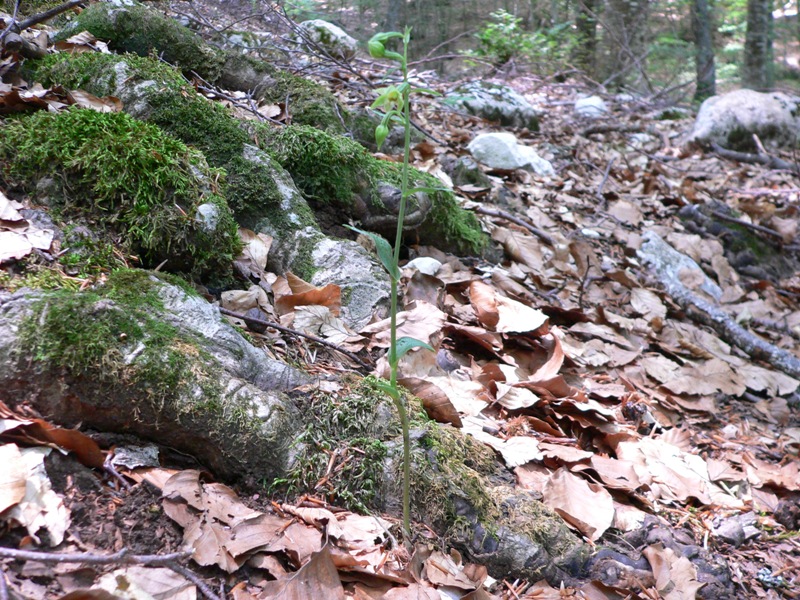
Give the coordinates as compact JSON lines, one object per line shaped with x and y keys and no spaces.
{"x":376,"y":49}
{"x":381,"y":132}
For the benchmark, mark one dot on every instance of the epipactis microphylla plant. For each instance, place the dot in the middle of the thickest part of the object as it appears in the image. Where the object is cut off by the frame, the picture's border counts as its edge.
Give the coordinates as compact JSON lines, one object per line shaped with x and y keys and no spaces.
{"x":394,"y":102}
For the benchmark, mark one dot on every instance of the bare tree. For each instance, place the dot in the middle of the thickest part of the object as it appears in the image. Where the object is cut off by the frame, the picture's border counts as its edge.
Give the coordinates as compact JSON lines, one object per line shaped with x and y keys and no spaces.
{"x":757,"y":71}
{"x":702,"y":25}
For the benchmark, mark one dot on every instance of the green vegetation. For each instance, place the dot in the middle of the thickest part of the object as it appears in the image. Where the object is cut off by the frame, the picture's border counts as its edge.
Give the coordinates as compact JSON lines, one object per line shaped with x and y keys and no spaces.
{"x":139,"y":30}
{"x":175,"y":107}
{"x":347,"y":446}
{"x":94,"y":333}
{"x":128,"y":178}
{"x":504,"y":40}
{"x":342,"y":450}
{"x":335,"y":170}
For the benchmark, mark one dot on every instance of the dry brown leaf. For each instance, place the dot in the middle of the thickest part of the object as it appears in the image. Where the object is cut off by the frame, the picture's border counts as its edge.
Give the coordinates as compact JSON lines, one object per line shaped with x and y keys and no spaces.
{"x":586,"y":506}
{"x":318,"y":578}
{"x":676,"y":576}
{"x":434,"y":400}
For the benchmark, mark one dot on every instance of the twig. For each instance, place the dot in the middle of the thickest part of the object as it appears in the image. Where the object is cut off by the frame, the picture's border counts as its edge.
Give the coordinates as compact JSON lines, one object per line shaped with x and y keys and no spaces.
{"x":603,"y":183}
{"x":48,"y":14}
{"x":199,"y":583}
{"x":118,"y":558}
{"x":501,"y":214}
{"x":769,"y":161}
{"x":3,"y":586}
{"x":122,"y":557}
{"x":109,"y":468}
{"x":760,"y":228}
{"x":307,"y":336}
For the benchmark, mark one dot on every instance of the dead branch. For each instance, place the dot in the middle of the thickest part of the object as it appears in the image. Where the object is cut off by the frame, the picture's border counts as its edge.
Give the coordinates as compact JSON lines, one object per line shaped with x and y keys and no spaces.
{"x":294,"y":332}
{"x":123,"y":557}
{"x":48,"y":14}
{"x":663,"y":261}
{"x":769,"y":161}
{"x":501,"y":214}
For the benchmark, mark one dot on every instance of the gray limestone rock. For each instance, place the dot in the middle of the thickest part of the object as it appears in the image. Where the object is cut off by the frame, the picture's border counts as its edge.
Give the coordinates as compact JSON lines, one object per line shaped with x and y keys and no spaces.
{"x":331,"y":38}
{"x":167,"y":368}
{"x":503,"y":151}
{"x":730,"y":120}
{"x":500,"y":103}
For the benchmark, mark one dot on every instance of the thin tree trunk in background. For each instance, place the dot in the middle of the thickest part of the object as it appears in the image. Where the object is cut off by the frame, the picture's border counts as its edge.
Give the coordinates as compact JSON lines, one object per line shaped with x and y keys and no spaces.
{"x":757,"y":72}
{"x":625,"y":44}
{"x":704,"y":50}
{"x":585,"y":50}
{"x":396,"y":17}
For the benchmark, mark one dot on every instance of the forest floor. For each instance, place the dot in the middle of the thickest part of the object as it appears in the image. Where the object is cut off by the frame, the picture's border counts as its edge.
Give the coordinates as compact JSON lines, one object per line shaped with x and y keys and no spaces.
{"x":625,"y":401}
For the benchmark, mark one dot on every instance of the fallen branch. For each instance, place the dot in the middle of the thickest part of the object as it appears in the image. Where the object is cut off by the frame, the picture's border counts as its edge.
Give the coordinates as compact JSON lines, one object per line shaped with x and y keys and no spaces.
{"x":501,"y":214}
{"x":122,"y":557}
{"x":769,"y":161}
{"x":118,"y":558}
{"x":665,"y":262}
{"x":294,"y":332}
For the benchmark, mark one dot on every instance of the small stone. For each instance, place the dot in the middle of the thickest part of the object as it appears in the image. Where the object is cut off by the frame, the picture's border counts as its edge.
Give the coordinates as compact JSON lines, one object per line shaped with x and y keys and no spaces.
{"x":207,"y":216}
{"x":256,"y":313}
{"x":592,"y":107}
{"x":425,"y":264}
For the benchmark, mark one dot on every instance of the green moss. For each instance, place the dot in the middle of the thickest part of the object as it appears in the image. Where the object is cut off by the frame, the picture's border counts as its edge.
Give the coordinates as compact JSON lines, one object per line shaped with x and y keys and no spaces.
{"x":127,"y":177}
{"x":140,"y":30}
{"x":335,"y":170}
{"x":326,"y":168}
{"x":342,"y":449}
{"x":309,"y":102}
{"x":114,"y":334}
{"x":455,"y":466}
{"x":250,"y":188}
{"x":254,"y":194}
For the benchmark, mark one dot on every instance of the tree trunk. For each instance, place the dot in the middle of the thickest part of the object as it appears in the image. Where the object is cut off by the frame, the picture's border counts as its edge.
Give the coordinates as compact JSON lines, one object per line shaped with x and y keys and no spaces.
{"x":585,"y":51}
{"x":757,"y":72}
{"x":704,"y":50}
{"x":625,"y":41}
{"x":395,"y":16}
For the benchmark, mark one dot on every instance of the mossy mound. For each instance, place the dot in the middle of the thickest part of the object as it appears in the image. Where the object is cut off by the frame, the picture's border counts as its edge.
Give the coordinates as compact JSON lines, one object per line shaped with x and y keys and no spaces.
{"x":88,"y":334}
{"x":140,"y":30}
{"x":362,"y":432}
{"x":337,"y":171}
{"x":141,"y":353}
{"x":174,"y":106}
{"x":129,"y":179}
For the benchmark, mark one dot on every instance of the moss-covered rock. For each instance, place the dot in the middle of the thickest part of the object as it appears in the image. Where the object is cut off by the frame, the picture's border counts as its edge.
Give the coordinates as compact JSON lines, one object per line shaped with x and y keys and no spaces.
{"x":256,"y":187}
{"x":143,"y":355}
{"x":350,"y":451}
{"x":337,"y":173}
{"x":128,"y":178}
{"x":140,"y":30}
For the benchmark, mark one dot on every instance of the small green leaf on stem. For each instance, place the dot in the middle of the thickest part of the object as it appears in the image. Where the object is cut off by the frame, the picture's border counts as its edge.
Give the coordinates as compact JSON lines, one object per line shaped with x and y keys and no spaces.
{"x":385,"y":386}
{"x":384,"y":250}
{"x":404,"y":344}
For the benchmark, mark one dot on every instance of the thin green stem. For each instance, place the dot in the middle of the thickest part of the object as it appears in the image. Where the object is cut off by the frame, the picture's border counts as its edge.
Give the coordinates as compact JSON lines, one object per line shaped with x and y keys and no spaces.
{"x":393,"y":360}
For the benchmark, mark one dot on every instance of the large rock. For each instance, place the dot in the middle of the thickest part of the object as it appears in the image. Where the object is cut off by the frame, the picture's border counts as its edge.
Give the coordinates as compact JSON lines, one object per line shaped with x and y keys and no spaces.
{"x":141,"y":356}
{"x":322,"y":260}
{"x":503,"y":151}
{"x":731,"y":119}
{"x":330,"y":38}
{"x":499,"y":103}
